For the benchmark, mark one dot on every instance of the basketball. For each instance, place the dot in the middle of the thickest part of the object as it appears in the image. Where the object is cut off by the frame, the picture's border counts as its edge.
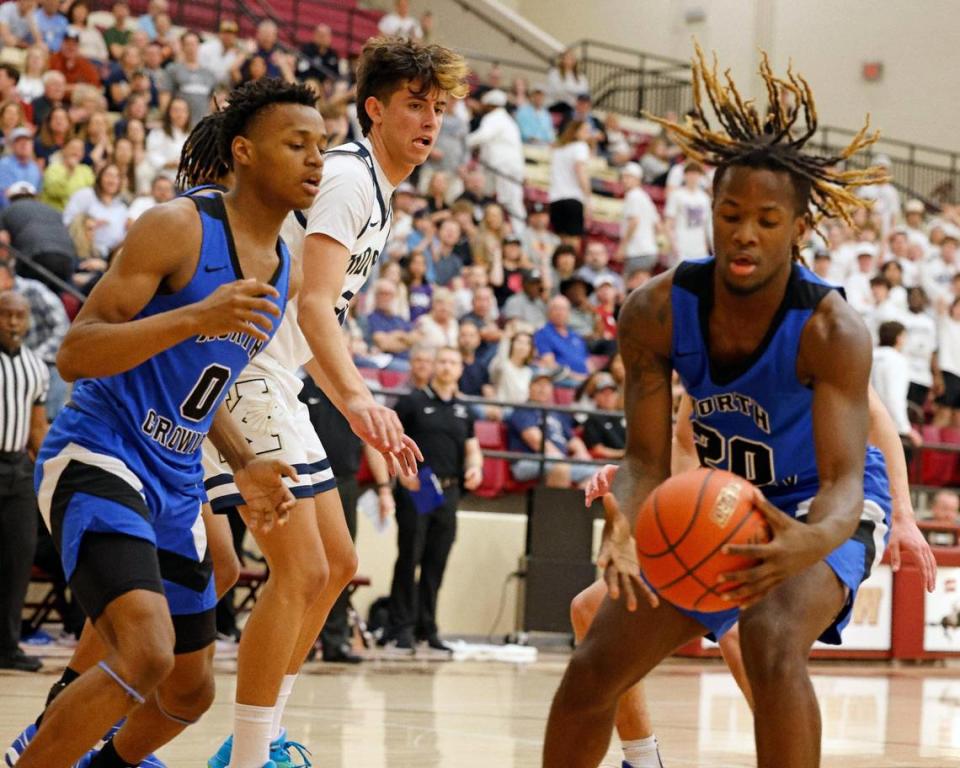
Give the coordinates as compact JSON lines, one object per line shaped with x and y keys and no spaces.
{"x":681,"y":529}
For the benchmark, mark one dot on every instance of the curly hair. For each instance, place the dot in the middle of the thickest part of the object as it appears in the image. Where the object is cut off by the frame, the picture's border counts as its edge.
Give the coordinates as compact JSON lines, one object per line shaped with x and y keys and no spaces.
{"x":247,"y":101}
{"x":744,"y":138}
{"x":200,"y":160}
{"x":386,"y":63}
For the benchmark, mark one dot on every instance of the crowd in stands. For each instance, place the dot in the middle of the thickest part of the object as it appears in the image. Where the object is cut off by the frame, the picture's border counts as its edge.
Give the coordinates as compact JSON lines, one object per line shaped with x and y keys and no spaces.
{"x":95,"y":108}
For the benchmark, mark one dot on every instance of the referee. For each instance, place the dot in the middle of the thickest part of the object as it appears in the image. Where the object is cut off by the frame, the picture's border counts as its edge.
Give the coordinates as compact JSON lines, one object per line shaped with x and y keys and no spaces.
{"x":427,"y":505}
{"x":23,"y":425}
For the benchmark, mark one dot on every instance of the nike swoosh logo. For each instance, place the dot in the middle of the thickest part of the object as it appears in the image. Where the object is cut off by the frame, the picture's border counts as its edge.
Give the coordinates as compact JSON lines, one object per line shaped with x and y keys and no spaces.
{"x":374,"y":223}
{"x":214,"y":269}
{"x":429,"y":410}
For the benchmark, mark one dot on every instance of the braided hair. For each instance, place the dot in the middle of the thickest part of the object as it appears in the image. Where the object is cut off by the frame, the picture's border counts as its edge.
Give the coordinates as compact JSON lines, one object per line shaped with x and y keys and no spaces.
{"x":200,"y":161}
{"x":773,"y":141}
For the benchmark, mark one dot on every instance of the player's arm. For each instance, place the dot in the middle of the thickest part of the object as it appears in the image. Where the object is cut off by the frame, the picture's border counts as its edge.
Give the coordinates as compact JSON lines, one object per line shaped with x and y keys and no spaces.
{"x":324,"y":265}
{"x":904,"y":534}
{"x":472,"y":464}
{"x":38,"y":429}
{"x":684,"y":455}
{"x":105,"y":339}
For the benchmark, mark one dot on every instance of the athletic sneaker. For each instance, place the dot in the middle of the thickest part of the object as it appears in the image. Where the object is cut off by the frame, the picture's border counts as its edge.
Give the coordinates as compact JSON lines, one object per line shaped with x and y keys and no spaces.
{"x":150,"y":761}
{"x":20,"y":744}
{"x":280,"y":756}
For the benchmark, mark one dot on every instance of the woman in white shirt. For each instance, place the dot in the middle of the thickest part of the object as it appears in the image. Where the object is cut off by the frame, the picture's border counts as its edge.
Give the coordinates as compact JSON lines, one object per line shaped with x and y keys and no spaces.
{"x":510,"y":370}
{"x":570,"y":182}
{"x":92,"y":44}
{"x":102,"y":202}
{"x":30,"y":84}
{"x":565,"y":82}
{"x":165,"y":143}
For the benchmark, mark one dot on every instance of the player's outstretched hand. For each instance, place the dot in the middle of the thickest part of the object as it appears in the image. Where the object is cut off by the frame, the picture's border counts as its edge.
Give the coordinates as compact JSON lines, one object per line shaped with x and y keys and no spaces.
{"x":237,"y":307}
{"x":600,"y":484}
{"x":793,"y":547}
{"x":267,"y":499}
{"x":618,"y":558}
{"x":905,"y":536}
{"x":380,"y":427}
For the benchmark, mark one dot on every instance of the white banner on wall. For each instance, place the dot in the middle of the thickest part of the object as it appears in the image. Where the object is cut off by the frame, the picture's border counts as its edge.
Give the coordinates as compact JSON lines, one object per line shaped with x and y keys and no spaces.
{"x":942,"y":613}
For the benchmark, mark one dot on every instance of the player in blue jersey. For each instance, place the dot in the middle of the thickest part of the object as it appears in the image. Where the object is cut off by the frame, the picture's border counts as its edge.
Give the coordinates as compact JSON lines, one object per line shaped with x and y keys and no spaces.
{"x":777,"y":367}
{"x":199,"y":288}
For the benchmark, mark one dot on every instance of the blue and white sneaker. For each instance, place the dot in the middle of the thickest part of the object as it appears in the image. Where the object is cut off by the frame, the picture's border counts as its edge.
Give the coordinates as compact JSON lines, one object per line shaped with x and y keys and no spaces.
{"x":19,"y":745}
{"x":280,"y":754}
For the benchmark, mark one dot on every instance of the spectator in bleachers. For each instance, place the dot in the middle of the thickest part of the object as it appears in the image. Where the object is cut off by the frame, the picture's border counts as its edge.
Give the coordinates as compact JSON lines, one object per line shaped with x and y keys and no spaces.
{"x":222,"y":53}
{"x":510,"y":371}
{"x":605,"y":436}
{"x":641,"y":221}
{"x":136,"y":173}
{"x":449,"y":152}
{"x":51,"y":24}
{"x":475,"y":193}
{"x":36,"y":231}
{"x":419,"y":289}
{"x":857,"y":283}
{"x":656,"y":162}
{"x":122,"y":73}
{"x":938,"y":271}
{"x":137,"y":107}
{"x":945,"y":507}
{"x":438,"y":328}
{"x":76,"y":67}
{"x":437,"y":195}
{"x":506,"y":269}
{"x":102,"y":201}
{"x":165,"y":143}
{"x":566,"y":82}
{"x":530,"y":429}
{"x":583,"y":111}
{"x":166,"y":39}
{"x":268,"y":50}
{"x":475,"y":379}
{"x":948,"y":365}
{"x":90,"y":266}
{"x":148,"y":21}
{"x":501,"y":152}
{"x":538,"y":241}
{"x":12,"y":117}
{"x":392,"y":272}
{"x":92,"y":45}
{"x":563,"y":266}
{"x":920,"y":347}
{"x":30,"y":85}
{"x":98,"y":142}
{"x":596,"y":265}
{"x":687,"y":216}
{"x":604,"y":337}
{"x":893,"y":271}
{"x":570,"y":183}
{"x":65,"y":175}
{"x":19,"y":164}
{"x":557,"y":345}
{"x":616,"y":146}
{"x":890,"y":377}
{"x":9,"y":80}
{"x":488,"y":239}
{"x":161,"y":191}
{"x":534,"y":120}
{"x":318,"y":60}
{"x":54,"y":95}
{"x":882,"y":308}
{"x":190,"y":80}
{"x":577,"y":291}
{"x":913,"y":214}
{"x":48,"y":326}
{"x":118,"y":35}
{"x":18,"y":26}
{"x":483,"y":314}
{"x":154,"y":67}
{"x":527,"y":304}
{"x":446,"y":261}
{"x":386,"y":331}
{"x":422,"y":234}
{"x":422,"y":360}
{"x":54,"y":132}
{"x":885,"y":197}
{"x":399,"y":23}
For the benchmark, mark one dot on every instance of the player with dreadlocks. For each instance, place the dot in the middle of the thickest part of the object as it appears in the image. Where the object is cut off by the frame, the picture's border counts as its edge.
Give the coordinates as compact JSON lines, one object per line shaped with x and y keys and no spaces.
{"x":201,"y":164}
{"x":752,"y":321}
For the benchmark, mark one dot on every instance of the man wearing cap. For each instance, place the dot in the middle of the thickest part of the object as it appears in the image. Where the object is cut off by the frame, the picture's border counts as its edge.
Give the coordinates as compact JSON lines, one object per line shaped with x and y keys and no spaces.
{"x":913,"y":213}
{"x":19,"y":164}
{"x":220,"y":54}
{"x":528,"y":305}
{"x":605,"y":435}
{"x":641,"y":221}
{"x":37,"y":232}
{"x":530,"y":430}
{"x":76,"y":67}
{"x":501,"y":152}
{"x":534,"y":119}
{"x":577,"y":290}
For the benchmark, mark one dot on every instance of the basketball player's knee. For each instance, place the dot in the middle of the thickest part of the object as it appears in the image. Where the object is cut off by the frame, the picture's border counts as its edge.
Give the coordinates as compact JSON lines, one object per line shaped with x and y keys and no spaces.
{"x":343,"y":568}
{"x":770,"y":652}
{"x":190,"y":697}
{"x":226,"y":573}
{"x":145,"y":650}
{"x":585,"y":685}
{"x":303,"y":579}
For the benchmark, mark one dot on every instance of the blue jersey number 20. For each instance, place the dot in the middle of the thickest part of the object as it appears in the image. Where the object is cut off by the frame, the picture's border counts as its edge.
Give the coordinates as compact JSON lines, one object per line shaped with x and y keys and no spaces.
{"x":747,"y":458}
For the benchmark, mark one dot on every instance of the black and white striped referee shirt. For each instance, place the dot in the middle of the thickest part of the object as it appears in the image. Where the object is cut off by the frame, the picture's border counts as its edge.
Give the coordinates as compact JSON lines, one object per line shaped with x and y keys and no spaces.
{"x":24,"y":380}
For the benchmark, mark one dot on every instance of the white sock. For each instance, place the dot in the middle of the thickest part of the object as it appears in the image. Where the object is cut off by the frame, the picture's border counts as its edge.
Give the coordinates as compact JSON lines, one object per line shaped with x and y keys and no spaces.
{"x":286,"y":688}
{"x":642,"y":753}
{"x":251,"y":736}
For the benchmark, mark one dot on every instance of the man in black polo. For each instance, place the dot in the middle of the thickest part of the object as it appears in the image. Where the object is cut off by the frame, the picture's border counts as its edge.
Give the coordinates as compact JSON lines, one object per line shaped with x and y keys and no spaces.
{"x":605,"y":436}
{"x":23,"y":425}
{"x":442,"y":426}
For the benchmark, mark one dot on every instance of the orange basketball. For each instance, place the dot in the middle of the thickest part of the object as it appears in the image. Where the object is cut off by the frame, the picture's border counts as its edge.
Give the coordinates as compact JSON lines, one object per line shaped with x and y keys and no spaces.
{"x":682,"y":528}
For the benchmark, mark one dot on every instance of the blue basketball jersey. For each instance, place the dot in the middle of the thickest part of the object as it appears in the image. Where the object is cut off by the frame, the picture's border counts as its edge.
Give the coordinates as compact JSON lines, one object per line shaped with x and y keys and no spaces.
{"x":755,"y":421}
{"x":165,"y":405}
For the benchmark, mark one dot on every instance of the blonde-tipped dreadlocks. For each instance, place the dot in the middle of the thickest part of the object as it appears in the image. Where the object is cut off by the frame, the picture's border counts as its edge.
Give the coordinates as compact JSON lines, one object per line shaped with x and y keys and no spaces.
{"x":200,"y":161}
{"x":746,"y":138}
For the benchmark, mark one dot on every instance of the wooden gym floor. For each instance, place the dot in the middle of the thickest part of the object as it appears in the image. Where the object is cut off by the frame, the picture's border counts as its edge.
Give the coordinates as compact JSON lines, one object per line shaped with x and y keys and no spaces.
{"x":421,"y":714}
